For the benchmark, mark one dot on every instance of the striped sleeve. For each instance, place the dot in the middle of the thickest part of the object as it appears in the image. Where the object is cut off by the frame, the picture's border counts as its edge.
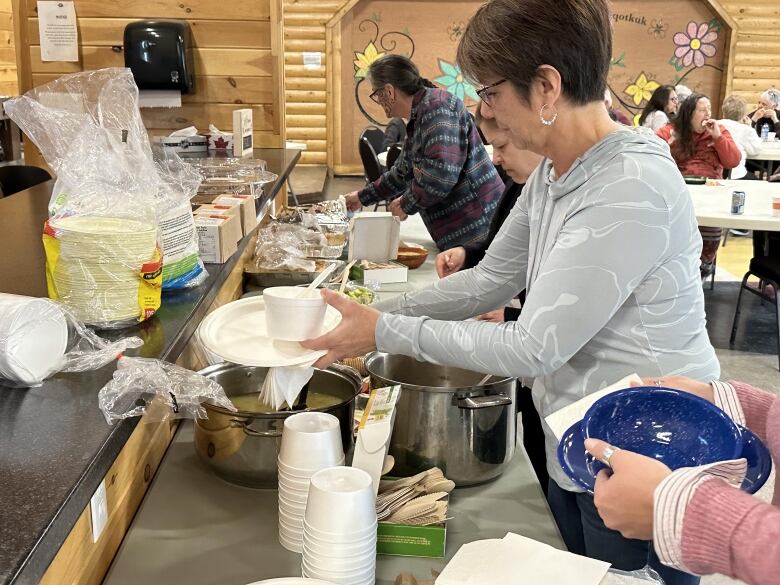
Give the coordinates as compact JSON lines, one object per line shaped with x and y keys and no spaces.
{"x":672,"y":497}
{"x":727,"y":400}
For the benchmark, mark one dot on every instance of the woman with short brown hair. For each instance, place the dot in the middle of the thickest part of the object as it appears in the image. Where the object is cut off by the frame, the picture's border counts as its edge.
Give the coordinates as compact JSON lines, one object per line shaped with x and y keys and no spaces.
{"x":603,"y":238}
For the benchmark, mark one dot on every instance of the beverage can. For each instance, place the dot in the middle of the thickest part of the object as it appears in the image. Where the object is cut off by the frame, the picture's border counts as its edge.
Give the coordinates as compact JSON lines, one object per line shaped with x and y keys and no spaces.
{"x":737,"y":202}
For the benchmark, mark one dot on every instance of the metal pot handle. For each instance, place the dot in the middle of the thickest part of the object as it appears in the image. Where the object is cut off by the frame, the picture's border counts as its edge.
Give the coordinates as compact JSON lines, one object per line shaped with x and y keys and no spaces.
{"x":242,"y":424}
{"x":474,"y":402}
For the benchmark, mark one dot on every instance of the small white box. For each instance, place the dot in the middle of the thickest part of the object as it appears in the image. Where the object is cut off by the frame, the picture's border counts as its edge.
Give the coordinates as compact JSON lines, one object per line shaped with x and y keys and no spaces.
{"x":248,"y":211}
{"x":242,"y":132}
{"x":374,"y":235}
{"x":215,"y":238}
{"x":374,"y":431}
{"x":382,"y":273}
{"x":231,"y":210}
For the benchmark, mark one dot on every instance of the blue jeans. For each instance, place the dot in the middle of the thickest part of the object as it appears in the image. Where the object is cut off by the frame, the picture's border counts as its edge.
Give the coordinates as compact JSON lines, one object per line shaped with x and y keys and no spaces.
{"x":584,"y":533}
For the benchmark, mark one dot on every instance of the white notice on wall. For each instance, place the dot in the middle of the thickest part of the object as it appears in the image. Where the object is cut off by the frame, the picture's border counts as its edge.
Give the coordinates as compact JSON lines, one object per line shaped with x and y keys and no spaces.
{"x":57,"y":28}
{"x":312,"y":60}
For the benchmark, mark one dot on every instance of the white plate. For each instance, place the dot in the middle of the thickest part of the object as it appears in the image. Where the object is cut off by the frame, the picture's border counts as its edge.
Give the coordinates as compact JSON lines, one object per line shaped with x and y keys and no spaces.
{"x":236,"y":332}
{"x":293,"y":581}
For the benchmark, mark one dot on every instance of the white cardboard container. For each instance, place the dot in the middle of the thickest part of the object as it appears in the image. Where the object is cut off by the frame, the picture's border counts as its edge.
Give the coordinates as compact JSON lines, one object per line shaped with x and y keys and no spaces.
{"x":216,"y":241}
{"x":374,"y":431}
{"x":231,"y":210}
{"x":242,"y":132}
{"x":374,"y":236}
{"x":247,"y":204}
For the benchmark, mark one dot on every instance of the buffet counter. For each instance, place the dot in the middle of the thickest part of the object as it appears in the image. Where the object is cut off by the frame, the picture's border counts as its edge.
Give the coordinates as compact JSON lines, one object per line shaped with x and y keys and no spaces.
{"x":56,"y":447}
{"x":206,"y":531}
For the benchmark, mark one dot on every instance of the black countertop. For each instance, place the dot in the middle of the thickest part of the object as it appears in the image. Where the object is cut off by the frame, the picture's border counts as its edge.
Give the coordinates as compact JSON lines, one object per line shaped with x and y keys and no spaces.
{"x":55,"y":445}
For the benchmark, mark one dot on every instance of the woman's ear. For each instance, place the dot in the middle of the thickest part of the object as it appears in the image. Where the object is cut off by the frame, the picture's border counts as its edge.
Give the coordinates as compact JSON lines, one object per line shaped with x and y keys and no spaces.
{"x":547,"y":85}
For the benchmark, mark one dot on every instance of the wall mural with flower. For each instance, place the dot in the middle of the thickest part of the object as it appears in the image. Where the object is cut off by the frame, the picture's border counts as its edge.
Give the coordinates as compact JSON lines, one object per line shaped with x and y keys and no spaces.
{"x":660,"y":42}
{"x":376,"y":27}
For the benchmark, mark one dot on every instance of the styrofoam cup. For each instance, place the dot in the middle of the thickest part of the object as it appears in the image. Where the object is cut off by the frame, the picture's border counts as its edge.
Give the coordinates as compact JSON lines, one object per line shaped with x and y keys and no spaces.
{"x":336,"y":549}
{"x":293,"y":313}
{"x":341,"y":500}
{"x":320,"y":537}
{"x":300,"y":474}
{"x":311,"y":440}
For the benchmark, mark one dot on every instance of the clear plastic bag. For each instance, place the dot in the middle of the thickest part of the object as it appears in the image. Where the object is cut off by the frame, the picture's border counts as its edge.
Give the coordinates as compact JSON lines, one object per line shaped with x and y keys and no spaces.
{"x":40,"y":337}
{"x":138,"y":382}
{"x":102,"y":240}
{"x":179,"y":182}
{"x":646,"y":576}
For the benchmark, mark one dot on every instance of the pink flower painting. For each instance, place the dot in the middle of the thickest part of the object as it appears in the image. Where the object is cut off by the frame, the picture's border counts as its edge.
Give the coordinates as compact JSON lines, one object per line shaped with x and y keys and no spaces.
{"x":695,"y":45}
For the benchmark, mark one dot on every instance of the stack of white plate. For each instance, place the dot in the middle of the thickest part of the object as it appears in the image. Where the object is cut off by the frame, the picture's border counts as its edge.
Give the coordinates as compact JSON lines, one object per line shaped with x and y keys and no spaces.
{"x":311,"y":441}
{"x":33,"y":338}
{"x":339,"y":529}
{"x":98,"y":271}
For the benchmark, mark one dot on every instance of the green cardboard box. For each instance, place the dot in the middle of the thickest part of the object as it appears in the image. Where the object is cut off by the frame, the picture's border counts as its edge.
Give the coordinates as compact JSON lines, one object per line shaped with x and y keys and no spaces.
{"x":411,"y":541}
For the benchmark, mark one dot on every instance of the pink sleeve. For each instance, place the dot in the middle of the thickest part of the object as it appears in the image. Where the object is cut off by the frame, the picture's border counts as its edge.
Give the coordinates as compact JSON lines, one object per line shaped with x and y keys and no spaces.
{"x":755,"y":404}
{"x":728,"y":531}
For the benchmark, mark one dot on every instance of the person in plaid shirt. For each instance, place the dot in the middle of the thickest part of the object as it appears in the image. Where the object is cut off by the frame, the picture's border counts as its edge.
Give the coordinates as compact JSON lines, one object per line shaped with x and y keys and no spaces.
{"x":444,"y":172}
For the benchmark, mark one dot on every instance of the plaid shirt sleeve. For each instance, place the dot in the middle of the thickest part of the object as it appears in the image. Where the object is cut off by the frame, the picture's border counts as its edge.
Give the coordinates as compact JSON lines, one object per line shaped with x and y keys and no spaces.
{"x":445,"y":149}
{"x":389,"y":186}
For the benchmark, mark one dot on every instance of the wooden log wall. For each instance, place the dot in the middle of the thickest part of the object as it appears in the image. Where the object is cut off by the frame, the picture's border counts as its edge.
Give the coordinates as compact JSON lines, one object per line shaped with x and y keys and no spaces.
{"x":755,"y":64}
{"x":238,"y":58}
{"x":9,"y":85}
{"x":305,"y":88}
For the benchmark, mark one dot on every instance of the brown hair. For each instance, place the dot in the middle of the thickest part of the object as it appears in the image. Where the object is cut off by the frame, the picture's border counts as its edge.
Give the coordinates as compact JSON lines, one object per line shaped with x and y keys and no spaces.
{"x":511,"y":39}
{"x":734,"y":108}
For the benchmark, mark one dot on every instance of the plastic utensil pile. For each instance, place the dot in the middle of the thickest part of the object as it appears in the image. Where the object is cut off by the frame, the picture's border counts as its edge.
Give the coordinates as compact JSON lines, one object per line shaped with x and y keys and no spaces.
{"x":414,"y":500}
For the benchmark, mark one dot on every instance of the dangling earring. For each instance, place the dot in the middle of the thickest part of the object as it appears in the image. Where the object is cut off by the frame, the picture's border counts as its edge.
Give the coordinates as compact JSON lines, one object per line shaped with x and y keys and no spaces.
{"x":544,"y":120}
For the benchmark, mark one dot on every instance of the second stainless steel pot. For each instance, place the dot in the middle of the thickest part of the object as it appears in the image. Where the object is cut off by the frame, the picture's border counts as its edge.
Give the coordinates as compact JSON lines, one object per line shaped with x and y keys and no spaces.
{"x":445,"y":419}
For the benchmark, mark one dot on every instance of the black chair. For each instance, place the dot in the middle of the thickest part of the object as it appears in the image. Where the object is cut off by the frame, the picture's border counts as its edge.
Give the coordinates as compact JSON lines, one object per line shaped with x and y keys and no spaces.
{"x":375,"y":137}
{"x":372,"y":170}
{"x":15,"y":178}
{"x":767,"y":269}
{"x":392,"y":155}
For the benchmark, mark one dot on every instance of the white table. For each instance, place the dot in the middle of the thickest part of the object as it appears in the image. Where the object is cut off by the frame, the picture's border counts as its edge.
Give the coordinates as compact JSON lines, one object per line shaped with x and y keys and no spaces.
{"x":769,"y":154}
{"x":713,"y":205}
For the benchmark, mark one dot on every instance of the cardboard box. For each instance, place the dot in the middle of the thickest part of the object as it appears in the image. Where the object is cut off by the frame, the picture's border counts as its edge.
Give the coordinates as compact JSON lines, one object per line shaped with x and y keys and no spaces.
{"x":374,"y":236}
{"x":232,"y":211}
{"x":374,"y":431}
{"x":242,"y":132}
{"x":382,"y":273}
{"x":215,"y":237}
{"x":247,"y":206}
{"x":411,"y":541}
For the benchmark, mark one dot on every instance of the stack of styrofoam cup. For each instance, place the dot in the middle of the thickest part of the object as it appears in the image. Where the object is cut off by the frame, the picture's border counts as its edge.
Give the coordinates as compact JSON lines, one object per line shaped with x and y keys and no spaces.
{"x":33,"y":338}
{"x":339,"y":529}
{"x":311,"y":441}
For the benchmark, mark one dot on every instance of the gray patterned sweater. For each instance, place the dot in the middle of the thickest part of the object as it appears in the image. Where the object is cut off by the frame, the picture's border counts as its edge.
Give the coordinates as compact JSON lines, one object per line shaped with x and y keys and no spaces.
{"x":609,"y":254}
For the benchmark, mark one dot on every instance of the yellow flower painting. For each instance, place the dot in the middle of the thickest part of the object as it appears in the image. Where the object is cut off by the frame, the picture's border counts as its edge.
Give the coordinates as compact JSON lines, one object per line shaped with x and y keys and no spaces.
{"x":642,"y":89}
{"x":363,"y":60}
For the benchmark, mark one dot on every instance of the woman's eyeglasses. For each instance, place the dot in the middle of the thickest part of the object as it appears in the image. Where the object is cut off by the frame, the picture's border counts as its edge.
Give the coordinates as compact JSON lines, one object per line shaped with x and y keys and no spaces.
{"x":485,"y":95}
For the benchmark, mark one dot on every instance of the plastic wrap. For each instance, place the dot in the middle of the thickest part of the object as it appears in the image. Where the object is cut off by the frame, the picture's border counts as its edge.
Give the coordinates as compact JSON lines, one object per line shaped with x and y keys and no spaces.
{"x":646,"y":576}
{"x":138,"y":382}
{"x":102,"y":246}
{"x":40,"y":337}
{"x":179,"y":182}
{"x":245,"y":176}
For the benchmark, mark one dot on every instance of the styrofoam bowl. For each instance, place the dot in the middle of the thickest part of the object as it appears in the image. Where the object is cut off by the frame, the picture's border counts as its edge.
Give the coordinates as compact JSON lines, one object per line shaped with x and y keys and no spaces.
{"x":311,"y":440}
{"x":294,"y":473}
{"x":337,"y":550}
{"x":294,"y":314}
{"x":352,"y":536}
{"x":341,"y":500}
{"x":358,"y":576}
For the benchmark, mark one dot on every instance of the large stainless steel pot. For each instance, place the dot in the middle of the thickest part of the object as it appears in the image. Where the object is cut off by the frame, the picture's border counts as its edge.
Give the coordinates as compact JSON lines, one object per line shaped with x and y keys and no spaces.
{"x":445,"y":419}
{"x":242,"y":447}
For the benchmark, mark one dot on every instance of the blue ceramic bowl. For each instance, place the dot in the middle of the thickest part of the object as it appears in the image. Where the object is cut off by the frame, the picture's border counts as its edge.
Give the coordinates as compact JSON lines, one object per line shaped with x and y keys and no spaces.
{"x":675,"y":427}
{"x":577,"y":464}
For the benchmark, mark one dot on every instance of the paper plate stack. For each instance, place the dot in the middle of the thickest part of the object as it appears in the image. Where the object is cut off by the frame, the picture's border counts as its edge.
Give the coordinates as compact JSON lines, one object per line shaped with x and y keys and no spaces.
{"x":97,"y":273}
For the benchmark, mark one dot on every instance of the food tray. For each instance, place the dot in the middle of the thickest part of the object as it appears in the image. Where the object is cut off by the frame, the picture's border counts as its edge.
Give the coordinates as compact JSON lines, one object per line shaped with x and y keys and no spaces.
{"x":329,"y":252}
{"x":258,"y":277}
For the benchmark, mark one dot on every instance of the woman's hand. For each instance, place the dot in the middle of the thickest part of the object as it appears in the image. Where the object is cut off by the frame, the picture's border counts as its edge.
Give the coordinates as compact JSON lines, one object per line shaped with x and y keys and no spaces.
{"x":450,"y":261}
{"x":625,"y":498}
{"x":772,"y":115}
{"x":713,"y":128}
{"x":758,"y":114}
{"x":495,"y":316}
{"x":354,"y":336}
{"x":395,"y":209}
{"x":700,"y":389}
{"x":353,"y":201}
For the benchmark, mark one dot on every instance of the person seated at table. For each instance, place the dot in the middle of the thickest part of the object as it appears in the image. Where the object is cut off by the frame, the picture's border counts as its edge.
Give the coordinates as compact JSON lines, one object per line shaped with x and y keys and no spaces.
{"x":444,"y":172}
{"x":661,"y":108}
{"x":698,"y":518}
{"x":737,"y":122}
{"x":768,"y":112}
{"x":395,"y":133}
{"x":603,"y":238}
{"x":701,"y":147}
{"x":615,"y":114}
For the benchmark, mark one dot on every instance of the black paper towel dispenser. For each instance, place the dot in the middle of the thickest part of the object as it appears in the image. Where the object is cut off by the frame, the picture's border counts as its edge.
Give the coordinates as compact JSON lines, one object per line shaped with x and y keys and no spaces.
{"x":159,"y":53}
